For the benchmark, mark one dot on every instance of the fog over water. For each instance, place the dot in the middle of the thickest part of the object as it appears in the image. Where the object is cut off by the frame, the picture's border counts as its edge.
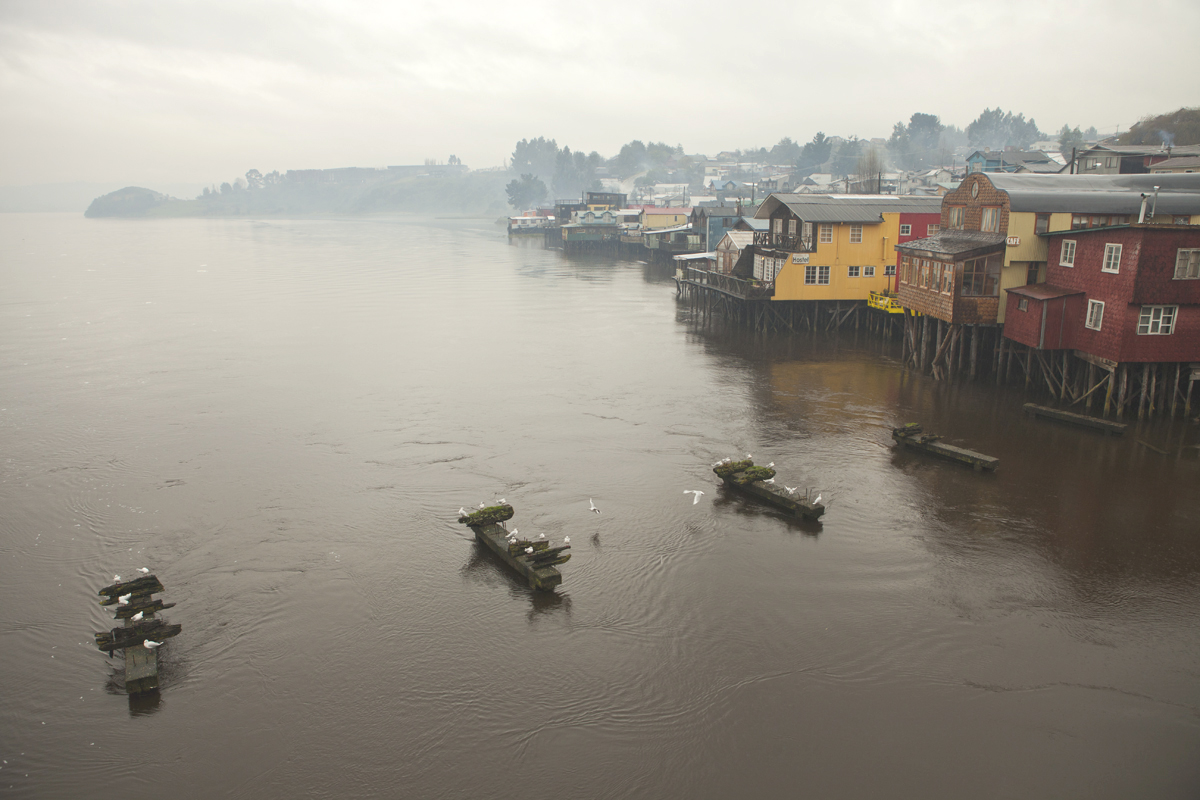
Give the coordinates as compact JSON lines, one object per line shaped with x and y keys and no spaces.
{"x":281,"y":418}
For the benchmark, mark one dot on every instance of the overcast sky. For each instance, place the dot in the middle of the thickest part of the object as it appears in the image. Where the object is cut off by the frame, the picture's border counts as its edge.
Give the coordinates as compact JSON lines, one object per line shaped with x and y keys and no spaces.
{"x":162,"y":91}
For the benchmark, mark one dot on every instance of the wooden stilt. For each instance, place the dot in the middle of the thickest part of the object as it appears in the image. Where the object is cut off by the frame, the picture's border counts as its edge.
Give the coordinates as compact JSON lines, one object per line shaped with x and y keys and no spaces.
{"x":1062,"y":395}
{"x":1124,"y":386}
{"x":1091,"y":378}
{"x":1175,"y":390}
{"x":1108,"y":393}
{"x":1153,"y":390}
{"x":1145,"y":381}
{"x":974,"y":350}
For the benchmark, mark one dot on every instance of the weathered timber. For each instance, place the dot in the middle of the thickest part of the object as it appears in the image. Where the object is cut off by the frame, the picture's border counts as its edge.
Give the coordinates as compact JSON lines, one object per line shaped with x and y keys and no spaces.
{"x":748,"y":479}
{"x":496,"y":539}
{"x":1115,"y":428}
{"x":488,"y":516}
{"x":517,"y":549}
{"x":147,"y":584}
{"x":549,"y":552}
{"x":911,"y":435}
{"x":135,"y":633}
{"x":143,"y":605}
{"x":141,"y":670}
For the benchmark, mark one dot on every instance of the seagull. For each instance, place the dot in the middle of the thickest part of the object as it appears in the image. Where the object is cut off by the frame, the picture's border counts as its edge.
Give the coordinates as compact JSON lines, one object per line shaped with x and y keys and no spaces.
{"x":462,"y":512}
{"x":149,"y":645}
{"x":769,"y":480}
{"x":143,"y":570}
{"x":593,"y":506}
{"x":116,"y":578}
{"x":528,"y":550}
{"x":695,"y":493}
{"x":502,"y":501}
{"x":137,"y":617}
{"x":750,"y":457}
{"x":790,"y":489}
{"x":566,"y":540}
{"x":771,"y":464}
{"x":514,"y":533}
{"x":123,"y":600}
{"x":541,"y":536}
{"x":481,"y":505}
{"x":817,"y":500}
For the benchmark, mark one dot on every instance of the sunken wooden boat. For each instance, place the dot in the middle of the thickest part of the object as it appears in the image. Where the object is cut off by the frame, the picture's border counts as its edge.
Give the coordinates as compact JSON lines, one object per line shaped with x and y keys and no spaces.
{"x":913,"y":436}
{"x":535,"y":561}
{"x":1082,"y":420}
{"x":141,"y":663}
{"x":744,"y":477}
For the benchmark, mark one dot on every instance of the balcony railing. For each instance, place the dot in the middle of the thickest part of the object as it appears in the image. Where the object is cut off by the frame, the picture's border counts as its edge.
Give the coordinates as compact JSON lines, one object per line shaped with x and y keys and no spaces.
{"x":780,"y":241}
{"x":885,"y":302}
{"x":747,"y":290}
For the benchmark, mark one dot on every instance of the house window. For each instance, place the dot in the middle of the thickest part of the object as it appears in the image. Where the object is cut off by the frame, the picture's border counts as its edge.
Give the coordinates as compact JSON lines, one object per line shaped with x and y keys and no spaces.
{"x":1023,"y":304}
{"x":810,"y":275}
{"x":1042,"y":224}
{"x":1112,"y":258}
{"x":826,"y":233}
{"x":981,"y":277}
{"x":1157,"y":320}
{"x":905,"y":265}
{"x":807,"y":234}
{"x":1181,"y":220}
{"x":930,"y":230}
{"x":888,"y":269}
{"x":1110,"y":162}
{"x":991,"y":220}
{"x":947,"y":278}
{"x":868,"y":272}
{"x":1187,"y":265}
{"x":957,"y":215}
{"x":1031,"y":272}
{"x":906,"y":230}
{"x":852,"y":272}
{"x":823,"y":276}
{"x":856,"y":234}
{"x":791,"y":227}
{"x":1067,"y":258}
{"x":1095,"y":315}
{"x":777,"y":226}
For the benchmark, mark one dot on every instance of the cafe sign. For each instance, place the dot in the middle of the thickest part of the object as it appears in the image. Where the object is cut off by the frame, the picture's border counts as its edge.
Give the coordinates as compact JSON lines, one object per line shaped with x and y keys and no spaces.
{"x":1013,"y":241}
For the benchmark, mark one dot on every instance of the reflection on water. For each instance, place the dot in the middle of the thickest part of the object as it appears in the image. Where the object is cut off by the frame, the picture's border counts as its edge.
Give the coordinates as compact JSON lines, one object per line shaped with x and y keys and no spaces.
{"x":282,"y":418}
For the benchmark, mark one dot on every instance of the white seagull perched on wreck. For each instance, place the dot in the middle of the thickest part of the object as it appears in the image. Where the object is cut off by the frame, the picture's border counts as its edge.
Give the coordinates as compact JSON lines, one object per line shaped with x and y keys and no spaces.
{"x":769,"y":480}
{"x":502,"y":501}
{"x":592,"y":506}
{"x":541,"y":536}
{"x":149,"y":645}
{"x":528,"y":550}
{"x":771,"y":464}
{"x":462,"y":512}
{"x":137,"y":617}
{"x":123,"y":600}
{"x":817,"y":500}
{"x":116,"y":578}
{"x":695,"y":493}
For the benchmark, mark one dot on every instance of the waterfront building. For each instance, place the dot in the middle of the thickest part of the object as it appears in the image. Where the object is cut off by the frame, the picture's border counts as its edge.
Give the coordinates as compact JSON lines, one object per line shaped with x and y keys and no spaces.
{"x":654,"y":217}
{"x":1012,"y":161}
{"x":836,"y":247}
{"x":711,"y":222}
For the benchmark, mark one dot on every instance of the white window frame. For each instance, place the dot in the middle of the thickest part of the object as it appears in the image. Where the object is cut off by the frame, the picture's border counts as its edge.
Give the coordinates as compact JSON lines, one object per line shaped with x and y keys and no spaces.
{"x":1022,"y":304}
{"x":947,"y":278}
{"x":956,"y":211}
{"x":825,"y":233}
{"x":868,"y":271}
{"x":856,"y":234}
{"x":1112,"y":258}
{"x":1095,"y":314}
{"x":930,"y":230}
{"x":1157,"y":320}
{"x":822,"y":276}
{"x":810,"y":275}
{"x":906,"y":230}
{"x":852,"y":272}
{"x":1187,"y":264}
{"x":1066,"y":257}
{"x":889,"y":270}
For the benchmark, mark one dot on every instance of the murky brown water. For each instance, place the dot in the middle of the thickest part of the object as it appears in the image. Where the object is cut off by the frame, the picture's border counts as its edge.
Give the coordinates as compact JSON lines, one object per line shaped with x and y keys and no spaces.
{"x":281,"y":418}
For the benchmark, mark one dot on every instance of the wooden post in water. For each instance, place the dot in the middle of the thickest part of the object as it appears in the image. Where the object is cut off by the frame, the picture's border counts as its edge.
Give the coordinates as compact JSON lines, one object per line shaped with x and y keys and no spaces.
{"x":1153,"y":389}
{"x":924,"y":342}
{"x":1175,"y":390}
{"x":1108,"y":393}
{"x":974,"y":350}
{"x":1091,"y":381}
{"x":1145,"y":380}
{"x":1062,"y":394}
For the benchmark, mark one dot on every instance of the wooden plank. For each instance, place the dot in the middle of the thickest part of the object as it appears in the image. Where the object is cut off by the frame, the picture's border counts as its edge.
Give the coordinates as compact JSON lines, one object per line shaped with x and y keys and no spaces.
{"x":496,"y":539}
{"x":147,"y":584}
{"x":141,"y":670}
{"x":135,"y":633}
{"x":778,"y":497}
{"x":1116,"y":428}
{"x":911,"y":435}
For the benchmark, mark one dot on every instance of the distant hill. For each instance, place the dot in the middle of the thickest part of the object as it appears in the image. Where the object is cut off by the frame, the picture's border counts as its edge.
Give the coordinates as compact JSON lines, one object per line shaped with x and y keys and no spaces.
{"x":323,"y":192}
{"x":1177,"y":128}
{"x":132,"y":201}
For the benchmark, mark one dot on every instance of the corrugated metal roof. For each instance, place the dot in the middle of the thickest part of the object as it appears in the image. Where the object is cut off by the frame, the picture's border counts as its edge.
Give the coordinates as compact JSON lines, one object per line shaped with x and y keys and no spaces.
{"x":652,"y":231}
{"x":1043,"y":291}
{"x":695,"y":256}
{"x":864,"y":208}
{"x":1098,"y":194}
{"x":954,"y":244}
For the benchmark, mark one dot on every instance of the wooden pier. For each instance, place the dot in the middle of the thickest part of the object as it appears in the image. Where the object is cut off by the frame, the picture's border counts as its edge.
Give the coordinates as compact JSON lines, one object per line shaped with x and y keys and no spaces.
{"x":744,"y":477}
{"x":537,"y":567}
{"x":1115,"y":428}
{"x":141,"y":662}
{"x":911,"y":435}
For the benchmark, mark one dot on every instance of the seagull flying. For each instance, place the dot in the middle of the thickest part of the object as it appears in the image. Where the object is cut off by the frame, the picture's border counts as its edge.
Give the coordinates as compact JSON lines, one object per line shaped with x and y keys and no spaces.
{"x":593,"y":506}
{"x":137,"y":617}
{"x":151,"y":645}
{"x":123,"y":600}
{"x":143,"y":570}
{"x":790,"y":489}
{"x":695,"y":493}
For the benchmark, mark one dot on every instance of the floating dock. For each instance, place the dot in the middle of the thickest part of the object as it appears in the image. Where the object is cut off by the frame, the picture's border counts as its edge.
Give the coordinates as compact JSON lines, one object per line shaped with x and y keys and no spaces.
{"x":1115,"y":428}
{"x":141,"y":663}
{"x":744,"y":477}
{"x":911,"y":435}
{"x":536,"y":567}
